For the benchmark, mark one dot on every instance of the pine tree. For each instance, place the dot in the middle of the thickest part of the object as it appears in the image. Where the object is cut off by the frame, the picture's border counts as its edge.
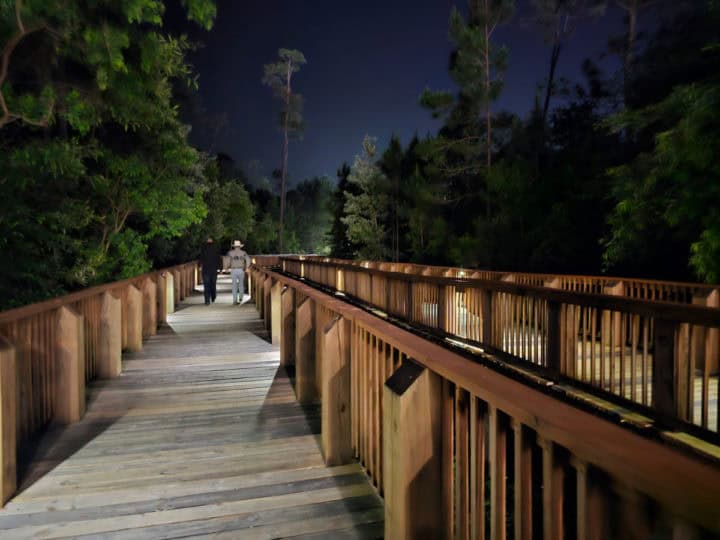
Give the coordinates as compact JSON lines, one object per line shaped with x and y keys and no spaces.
{"x":278,"y":76}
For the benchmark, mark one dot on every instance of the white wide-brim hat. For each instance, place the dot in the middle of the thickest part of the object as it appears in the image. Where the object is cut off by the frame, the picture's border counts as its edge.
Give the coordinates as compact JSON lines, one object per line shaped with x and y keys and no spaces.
{"x":237,"y":243}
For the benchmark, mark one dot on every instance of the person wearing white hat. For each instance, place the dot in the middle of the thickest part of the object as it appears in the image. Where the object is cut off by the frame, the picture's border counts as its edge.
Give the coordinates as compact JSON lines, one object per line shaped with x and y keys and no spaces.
{"x":239,"y":262}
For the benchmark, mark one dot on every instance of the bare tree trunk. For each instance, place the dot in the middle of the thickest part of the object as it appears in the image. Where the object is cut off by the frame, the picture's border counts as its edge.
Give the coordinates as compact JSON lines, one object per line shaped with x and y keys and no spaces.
{"x":554,"y":56}
{"x":283,"y":169}
{"x":488,"y":117}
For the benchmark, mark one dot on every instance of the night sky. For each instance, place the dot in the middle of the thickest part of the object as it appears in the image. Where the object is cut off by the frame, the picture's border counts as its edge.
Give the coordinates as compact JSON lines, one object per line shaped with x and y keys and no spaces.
{"x":367,"y":64}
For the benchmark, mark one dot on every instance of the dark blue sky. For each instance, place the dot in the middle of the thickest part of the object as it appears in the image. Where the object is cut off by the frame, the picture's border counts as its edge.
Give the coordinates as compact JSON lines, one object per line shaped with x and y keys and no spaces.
{"x":367,"y":64}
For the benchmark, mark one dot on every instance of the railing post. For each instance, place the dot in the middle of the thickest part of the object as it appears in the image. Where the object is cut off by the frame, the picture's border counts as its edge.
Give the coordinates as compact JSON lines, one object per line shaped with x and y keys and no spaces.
{"x":616,"y":289}
{"x":267,"y":307}
{"x":442,"y":308}
{"x":486,"y":297}
{"x":177,"y":288}
{"x":161,"y":288}
{"x":335,"y":410}
{"x":411,"y":453}
{"x":305,"y":352}
{"x":287,"y":337}
{"x":149,"y":292}
{"x":664,"y":379}
{"x":8,"y":421}
{"x":110,"y":350}
{"x":70,"y":357}
{"x":134,"y":319}
{"x":275,"y":312}
{"x":554,"y":337}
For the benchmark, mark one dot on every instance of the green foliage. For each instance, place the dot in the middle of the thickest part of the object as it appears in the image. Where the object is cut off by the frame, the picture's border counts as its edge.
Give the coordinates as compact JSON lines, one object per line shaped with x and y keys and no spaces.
{"x":677,"y":185}
{"x":364,"y":211}
{"x":111,"y":170}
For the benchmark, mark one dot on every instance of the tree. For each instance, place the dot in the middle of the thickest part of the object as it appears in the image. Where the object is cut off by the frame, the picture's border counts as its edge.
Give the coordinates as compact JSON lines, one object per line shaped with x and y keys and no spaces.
{"x":340,"y":244}
{"x":278,"y":76}
{"x":364,"y":212}
{"x":94,"y":163}
{"x":558,"y":19}
{"x":477,"y":67}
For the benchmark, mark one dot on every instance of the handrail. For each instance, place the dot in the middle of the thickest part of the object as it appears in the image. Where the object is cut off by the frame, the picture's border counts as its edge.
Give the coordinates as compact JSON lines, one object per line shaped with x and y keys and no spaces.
{"x":50,"y":349}
{"x":649,"y":289}
{"x":444,"y":438}
{"x":651,"y":353}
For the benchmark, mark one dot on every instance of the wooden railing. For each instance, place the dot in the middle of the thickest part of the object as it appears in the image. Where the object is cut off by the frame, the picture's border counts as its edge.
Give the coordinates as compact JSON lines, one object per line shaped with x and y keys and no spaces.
{"x":642,"y":289}
{"x":462,"y":450}
{"x":49,"y":350}
{"x":659,"y":355}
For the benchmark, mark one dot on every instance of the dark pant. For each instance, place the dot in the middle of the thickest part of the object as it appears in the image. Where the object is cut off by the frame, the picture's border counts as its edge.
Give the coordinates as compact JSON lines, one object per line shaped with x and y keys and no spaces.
{"x":209,"y":280}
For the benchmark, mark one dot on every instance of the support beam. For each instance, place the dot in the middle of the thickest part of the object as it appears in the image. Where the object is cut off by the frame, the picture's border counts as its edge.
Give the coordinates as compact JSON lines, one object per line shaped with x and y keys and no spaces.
{"x":305,"y":352}
{"x":8,"y":421}
{"x":70,"y":358}
{"x":287,"y":338}
{"x":149,"y":292}
{"x":110,"y":347}
{"x":134,"y":319}
{"x":412,"y":447}
{"x":335,"y":411}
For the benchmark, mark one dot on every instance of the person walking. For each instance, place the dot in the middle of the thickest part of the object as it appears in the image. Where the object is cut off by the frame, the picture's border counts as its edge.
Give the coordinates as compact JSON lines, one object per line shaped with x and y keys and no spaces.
{"x":211,"y":263}
{"x":239,"y":262}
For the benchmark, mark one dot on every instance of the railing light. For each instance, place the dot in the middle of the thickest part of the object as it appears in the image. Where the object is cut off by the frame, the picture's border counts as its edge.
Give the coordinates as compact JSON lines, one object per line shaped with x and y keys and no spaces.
{"x":461,"y":273}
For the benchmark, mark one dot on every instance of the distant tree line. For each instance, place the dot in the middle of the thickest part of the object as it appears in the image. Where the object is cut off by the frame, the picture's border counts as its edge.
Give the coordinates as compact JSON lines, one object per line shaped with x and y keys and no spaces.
{"x":619,"y":172}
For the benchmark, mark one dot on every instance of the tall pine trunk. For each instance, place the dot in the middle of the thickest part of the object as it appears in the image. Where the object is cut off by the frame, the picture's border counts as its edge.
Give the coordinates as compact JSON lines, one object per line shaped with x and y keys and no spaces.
{"x":283,"y":170}
{"x":488,"y":116}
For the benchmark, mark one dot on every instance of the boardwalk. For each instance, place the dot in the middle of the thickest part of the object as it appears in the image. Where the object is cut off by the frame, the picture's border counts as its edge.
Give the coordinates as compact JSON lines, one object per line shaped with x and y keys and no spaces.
{"x":201,"y":437}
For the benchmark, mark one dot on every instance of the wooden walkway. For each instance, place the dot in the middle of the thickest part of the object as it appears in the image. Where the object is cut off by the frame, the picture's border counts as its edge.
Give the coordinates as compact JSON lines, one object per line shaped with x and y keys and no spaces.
{"x":200,"y":437}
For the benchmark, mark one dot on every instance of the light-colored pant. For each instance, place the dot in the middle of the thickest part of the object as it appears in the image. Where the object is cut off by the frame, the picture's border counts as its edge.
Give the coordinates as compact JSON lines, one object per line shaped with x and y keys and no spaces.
{"x":238,"y":284}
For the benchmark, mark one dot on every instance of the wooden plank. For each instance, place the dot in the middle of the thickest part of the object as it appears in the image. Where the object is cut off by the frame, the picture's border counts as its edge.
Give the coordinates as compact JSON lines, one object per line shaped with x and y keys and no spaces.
{"x":523,"y":510}
{"x":200,"y":436}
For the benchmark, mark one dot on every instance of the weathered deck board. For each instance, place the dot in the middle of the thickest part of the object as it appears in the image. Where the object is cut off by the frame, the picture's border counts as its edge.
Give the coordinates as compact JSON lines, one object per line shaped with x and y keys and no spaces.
{"x":200,"y":437}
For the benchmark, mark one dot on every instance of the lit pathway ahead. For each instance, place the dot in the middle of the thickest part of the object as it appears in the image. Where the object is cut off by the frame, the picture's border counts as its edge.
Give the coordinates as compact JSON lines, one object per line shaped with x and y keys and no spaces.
{"x":201,"y":437}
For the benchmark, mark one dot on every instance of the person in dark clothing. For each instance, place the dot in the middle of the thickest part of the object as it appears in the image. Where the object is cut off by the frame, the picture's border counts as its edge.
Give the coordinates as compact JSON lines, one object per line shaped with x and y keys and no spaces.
{"x":211,"y":263}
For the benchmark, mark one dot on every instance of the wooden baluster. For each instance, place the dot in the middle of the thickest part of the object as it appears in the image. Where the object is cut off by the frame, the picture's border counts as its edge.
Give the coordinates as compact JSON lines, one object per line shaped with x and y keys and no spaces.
{"x":134,"y":319}
{"x":412,"y":454}
{"x":448,"y":457}
{"x":8,"y":421}
{"x":267,"y":308}
{"x":554,"y":338}
{"x":110,"y":349}
{"x":523,"y":510}
{"x":70,"y":382}
{"x":498,"y":461}
{"x":478,"y":414}
{"x":305,"y":352}
{"x":553,"y":491}
{"x":335,"y":410}
{"x":462,"y":464}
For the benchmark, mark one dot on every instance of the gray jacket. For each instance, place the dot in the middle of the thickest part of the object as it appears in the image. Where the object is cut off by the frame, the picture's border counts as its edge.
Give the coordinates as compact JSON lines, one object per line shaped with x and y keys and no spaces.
{"x":239,"y":259}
